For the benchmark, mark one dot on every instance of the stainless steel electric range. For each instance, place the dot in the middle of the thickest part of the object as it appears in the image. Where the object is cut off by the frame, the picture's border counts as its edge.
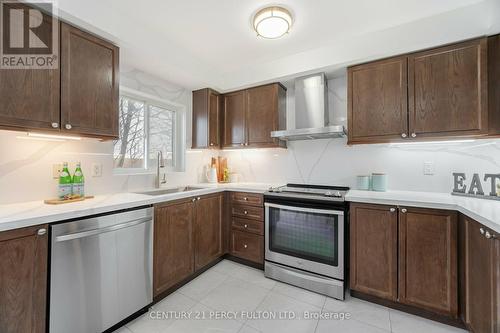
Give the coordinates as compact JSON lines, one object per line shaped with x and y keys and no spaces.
{"x":305,"y":237}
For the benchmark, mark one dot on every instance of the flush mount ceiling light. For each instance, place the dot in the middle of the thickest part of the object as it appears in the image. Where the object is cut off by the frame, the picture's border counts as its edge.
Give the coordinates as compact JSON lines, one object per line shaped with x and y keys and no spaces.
{"x":272,"y":22}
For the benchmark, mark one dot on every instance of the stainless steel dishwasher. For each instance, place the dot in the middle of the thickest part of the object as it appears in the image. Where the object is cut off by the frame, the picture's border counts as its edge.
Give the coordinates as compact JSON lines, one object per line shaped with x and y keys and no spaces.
{"x":101,"y":270}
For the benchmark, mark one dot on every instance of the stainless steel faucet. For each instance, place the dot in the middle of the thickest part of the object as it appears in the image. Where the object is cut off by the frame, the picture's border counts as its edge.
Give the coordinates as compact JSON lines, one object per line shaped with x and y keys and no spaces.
{"x":160,"y":165}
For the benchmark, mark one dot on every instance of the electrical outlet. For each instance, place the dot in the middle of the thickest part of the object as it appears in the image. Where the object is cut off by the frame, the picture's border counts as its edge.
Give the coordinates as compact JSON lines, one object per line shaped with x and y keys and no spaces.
{"x":429,"y":168}
{"x":56,"y":170}
{"x":96,"y":170}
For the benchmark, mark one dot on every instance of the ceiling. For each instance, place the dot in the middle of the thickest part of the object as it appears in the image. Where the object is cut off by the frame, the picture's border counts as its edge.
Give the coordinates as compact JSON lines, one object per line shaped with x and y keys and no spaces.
{"x":200,"y":43}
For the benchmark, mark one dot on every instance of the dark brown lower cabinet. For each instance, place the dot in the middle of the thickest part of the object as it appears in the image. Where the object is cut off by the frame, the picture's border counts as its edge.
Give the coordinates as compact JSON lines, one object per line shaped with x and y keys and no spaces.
{"x":173,"y":244}
{"x":247,"y":246}
{"x":188,"y":236}
{"x":208,"y":229}
{"x":373,"y":250}
{"x":23,"y":280}
{"x":481,"y":269}
{"x":405,"y":255}
{"x":428,"y":259}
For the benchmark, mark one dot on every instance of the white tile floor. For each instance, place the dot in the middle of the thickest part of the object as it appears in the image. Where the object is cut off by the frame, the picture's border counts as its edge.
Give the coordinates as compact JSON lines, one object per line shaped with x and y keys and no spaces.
{"x":230,"y":287}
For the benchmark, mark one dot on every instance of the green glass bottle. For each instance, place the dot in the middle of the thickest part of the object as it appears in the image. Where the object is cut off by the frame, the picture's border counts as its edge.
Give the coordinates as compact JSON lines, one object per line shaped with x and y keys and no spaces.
{"x":65,"y":183}
{"x":78,"y":182}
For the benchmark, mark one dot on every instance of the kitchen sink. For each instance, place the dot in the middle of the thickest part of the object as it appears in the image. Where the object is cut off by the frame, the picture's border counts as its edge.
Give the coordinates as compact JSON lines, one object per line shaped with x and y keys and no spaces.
{"x":170,"y":190}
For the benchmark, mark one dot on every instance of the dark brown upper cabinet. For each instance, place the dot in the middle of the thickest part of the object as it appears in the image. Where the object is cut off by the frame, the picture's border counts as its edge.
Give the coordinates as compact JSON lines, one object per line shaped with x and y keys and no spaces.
{"x":234,"y":119}
{"x":373,"y":250}
{"x":89,"y":84}
{"x":265,"y":105}
{"x":447,"y":90}
{"x":377,"y":103}
{"x":23,"y":280}
{"x":251,"y":115}
{"x":435,"y":94}
{"x":494,"y":85}
{"x":29,"y":98}
{"x":481,"y":277}
{"x":206,"y":119}
{"x":428,"y":259}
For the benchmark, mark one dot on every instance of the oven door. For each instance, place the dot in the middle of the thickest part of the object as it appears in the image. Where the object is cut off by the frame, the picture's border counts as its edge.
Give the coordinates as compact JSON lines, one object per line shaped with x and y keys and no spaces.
{"x":310,"y":239}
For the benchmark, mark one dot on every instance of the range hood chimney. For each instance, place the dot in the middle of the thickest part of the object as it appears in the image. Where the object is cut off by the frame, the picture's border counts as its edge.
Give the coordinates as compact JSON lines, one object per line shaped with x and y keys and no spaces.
{"x":311,"y":111}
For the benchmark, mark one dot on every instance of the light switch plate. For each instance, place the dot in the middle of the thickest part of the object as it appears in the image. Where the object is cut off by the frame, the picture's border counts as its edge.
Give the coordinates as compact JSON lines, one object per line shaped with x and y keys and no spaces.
{"x":429,"y":168}
{"x":56,"y":170}
{"x":96,"y":170}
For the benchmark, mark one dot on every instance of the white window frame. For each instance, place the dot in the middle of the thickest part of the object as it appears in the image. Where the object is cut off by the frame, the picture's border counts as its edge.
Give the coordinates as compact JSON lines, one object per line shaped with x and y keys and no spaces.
{"x":179,"y":139}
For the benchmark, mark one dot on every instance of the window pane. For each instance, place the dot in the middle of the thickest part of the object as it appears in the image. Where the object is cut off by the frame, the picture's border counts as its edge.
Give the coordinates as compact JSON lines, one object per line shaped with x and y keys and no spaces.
{"x":129,"y":149}
{"x":161,"y":133}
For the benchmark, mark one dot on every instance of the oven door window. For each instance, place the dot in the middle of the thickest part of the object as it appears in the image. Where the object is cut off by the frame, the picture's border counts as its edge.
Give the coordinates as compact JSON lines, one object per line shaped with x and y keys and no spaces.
{"x":307,"y":235}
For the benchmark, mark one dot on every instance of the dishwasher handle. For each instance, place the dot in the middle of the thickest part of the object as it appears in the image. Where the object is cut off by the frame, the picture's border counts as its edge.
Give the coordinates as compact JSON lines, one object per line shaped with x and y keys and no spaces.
{"x":93,"y":232}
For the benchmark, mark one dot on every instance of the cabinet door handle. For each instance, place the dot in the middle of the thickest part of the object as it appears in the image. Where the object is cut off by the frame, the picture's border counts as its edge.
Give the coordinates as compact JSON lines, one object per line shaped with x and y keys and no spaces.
{"x":193,"y":200}
{"x":403,"y":210}
{"x":198,"y":198}
{"x":41,"y":232}
{"x":481,"y":231}
{"x":403,"y":135}
{"x":68,"y":126}
{"x":245,"y":212}
{"x":245,"y":198}
{"x":413,"y":135}
{"x":488,"y":235}
{"x":245,"y":246}
{"x":246,"y":226}
{"x":392,"y":210}
{"x":55,"y":125}
{"x":211,"y":143}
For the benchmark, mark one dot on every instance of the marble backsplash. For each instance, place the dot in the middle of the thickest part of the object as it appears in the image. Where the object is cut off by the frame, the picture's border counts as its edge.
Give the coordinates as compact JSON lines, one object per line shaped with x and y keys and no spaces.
{"x":26,"y":165}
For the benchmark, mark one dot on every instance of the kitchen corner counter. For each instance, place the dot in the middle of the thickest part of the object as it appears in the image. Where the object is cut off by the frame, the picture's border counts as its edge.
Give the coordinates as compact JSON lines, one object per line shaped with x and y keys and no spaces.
{"x":25,"y":214}
{"x":486,"y":212}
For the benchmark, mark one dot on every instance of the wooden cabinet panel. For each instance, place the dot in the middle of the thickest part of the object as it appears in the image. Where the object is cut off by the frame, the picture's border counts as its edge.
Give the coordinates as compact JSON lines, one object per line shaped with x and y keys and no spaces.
{"x":23,"y":280}
{"x":29,"y":98}
{"x":251,"y":199}
{"x":494,"y":85}
{"x":262,"y":115}
{"x":248,"y":212}
{"x":214,"y":102}
{"x":208,"y":230}
{"x":247,"y":246}
{"x":482,"y":279}
{"x":234,"y":119}
{"x":246,"y":225}
{"x":377,"y":101}
{"x":373,"y":250}
{"x":448,"y":90}
{"x":206,"y":119}
{"x":428,"y":259}
{"x":89,"y":84}
{"x":173,"y":244}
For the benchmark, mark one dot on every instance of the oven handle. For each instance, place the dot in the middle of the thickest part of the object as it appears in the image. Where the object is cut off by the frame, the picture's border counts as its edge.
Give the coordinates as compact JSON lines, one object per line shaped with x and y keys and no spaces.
{"x":306,"y":210}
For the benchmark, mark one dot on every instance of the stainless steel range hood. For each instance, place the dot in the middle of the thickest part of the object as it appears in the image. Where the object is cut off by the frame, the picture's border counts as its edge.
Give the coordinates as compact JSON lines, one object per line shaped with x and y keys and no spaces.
{"x":311,"y":112}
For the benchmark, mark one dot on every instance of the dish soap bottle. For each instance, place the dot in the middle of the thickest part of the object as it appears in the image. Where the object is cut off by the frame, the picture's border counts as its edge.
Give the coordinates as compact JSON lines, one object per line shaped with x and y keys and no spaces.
{"x":78,"y":182}
{"x":65,"y":183}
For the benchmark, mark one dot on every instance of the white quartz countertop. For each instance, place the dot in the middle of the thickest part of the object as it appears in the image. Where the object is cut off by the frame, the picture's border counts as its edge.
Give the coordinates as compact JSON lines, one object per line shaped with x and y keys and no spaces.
{"x":31,"y":213}
{"x":19,"y":215}
{"x":486,"y":212}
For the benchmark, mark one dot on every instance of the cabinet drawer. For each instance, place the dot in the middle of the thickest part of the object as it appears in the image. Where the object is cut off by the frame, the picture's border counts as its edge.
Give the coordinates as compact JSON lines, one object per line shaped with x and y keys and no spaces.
{"x":248,"y":212}
{"x":256,"y":227}
{"x":247,"y":246}
{"x":251,"y":199}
